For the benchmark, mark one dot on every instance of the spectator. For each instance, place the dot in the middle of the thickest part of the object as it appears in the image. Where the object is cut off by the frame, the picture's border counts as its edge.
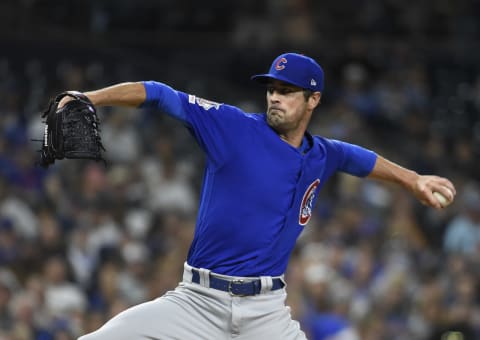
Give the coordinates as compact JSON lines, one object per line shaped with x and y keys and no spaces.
{"x":463,"y":232}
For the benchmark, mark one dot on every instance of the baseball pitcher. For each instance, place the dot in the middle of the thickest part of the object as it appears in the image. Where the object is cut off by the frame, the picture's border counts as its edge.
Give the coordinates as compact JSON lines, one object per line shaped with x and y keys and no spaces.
{"x":262,"y":177}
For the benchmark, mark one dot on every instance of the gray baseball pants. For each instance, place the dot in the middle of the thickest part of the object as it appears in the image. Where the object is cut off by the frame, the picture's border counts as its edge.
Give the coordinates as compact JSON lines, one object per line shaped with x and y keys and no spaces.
{"x":194,"y":312}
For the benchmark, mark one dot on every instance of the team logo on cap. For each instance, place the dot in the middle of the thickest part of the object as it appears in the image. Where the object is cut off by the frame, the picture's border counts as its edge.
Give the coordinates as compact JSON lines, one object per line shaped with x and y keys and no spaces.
{"x":307,"y":203}
{"x":279,"y":65}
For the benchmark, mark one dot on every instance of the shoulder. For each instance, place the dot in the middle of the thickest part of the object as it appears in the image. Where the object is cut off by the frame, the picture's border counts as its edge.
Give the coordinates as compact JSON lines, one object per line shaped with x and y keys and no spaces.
{"x":207,"y":115}
{"x":333,"y":145}
{"x":325,"y":144}
{"x":213,"y":106}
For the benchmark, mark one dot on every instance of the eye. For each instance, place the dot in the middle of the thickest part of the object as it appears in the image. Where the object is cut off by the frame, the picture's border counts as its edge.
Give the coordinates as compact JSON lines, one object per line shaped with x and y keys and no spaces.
{"x":285,"y":90}
{"x":279,"y":90}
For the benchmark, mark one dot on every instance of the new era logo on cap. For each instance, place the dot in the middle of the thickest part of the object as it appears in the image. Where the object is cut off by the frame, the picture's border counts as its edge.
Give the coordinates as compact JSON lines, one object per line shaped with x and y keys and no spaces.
{"x":296,"y":69}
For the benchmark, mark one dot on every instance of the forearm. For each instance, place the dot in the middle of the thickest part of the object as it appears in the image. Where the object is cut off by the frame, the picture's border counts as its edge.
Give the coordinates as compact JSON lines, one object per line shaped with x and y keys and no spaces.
{"x":130,"y":94}
{"x":422,"y":186}
{"x":391,"y":172}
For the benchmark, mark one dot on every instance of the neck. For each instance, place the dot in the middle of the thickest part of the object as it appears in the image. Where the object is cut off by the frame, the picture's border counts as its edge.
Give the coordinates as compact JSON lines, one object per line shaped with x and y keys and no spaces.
{"x":294,"y":136}
{"x":294,"y":139}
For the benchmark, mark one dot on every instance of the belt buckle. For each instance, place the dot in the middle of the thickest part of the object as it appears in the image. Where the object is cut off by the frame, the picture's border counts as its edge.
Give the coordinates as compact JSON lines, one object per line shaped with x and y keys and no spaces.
{"x":238,"y":281}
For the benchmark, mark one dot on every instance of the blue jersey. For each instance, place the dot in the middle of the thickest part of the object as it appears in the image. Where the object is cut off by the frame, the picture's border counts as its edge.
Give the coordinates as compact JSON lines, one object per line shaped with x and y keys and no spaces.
{"x":258,"y":191}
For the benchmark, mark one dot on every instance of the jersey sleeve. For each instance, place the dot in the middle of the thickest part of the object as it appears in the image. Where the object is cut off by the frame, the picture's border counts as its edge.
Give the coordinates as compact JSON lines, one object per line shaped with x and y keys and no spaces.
{"x":353,"y":159}
{"x":216,"y":127}
{"x":164,"y":98}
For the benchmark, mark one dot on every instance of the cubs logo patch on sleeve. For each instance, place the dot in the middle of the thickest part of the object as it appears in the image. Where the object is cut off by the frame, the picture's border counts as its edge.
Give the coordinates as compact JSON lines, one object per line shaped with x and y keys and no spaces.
{"x":306,"y":206}
{"x":206,"y":104}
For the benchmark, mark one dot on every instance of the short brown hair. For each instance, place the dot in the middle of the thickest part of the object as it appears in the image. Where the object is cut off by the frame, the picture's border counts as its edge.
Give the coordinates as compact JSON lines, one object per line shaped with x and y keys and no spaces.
{"x":307,"y":93}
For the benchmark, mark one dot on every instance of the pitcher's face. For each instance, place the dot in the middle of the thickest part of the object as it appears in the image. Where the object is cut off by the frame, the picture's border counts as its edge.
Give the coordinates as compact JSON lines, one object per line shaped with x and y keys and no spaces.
{"x":286,"y":106}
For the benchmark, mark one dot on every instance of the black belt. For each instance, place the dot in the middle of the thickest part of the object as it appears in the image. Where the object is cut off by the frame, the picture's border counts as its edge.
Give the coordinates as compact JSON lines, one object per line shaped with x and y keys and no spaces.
{"x":237,"y":287}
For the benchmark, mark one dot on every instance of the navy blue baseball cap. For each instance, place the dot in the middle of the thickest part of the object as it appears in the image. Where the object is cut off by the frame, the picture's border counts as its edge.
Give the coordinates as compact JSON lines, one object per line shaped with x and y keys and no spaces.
{"x":296,"y":69}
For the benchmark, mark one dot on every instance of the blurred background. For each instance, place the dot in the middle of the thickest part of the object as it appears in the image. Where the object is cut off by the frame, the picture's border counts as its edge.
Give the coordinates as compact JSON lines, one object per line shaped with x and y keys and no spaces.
{"x":81,"y":242}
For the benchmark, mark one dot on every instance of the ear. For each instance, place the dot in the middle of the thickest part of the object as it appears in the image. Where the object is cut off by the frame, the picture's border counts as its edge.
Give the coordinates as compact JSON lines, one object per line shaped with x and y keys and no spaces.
{"x":314,"y":100}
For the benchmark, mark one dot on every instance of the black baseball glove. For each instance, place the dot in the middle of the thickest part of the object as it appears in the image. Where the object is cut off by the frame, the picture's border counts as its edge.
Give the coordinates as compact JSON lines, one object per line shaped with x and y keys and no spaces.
{"x":71,"y":131}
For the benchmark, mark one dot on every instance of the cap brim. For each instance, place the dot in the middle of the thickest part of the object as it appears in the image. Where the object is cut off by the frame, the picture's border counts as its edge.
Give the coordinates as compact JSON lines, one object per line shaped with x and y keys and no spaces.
{"x":262,"y":78}
{"x":267,"y":77}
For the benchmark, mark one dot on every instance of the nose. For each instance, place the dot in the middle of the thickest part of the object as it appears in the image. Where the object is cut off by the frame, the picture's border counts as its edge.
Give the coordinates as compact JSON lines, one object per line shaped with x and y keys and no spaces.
{"x":273,"y":96}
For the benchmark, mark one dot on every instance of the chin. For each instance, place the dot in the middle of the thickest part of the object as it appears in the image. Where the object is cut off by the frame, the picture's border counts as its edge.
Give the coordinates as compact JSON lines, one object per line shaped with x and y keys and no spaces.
{"x":275,"y":124}
{"x":272,"y":120}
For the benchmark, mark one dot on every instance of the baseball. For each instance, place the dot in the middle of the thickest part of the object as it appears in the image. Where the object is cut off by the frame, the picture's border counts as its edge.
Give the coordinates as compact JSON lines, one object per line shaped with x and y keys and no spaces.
{"x":444,"y":201}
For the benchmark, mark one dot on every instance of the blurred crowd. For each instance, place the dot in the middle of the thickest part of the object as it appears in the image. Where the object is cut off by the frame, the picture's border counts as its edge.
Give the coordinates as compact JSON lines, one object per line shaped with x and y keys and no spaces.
{"x":81,"y":241}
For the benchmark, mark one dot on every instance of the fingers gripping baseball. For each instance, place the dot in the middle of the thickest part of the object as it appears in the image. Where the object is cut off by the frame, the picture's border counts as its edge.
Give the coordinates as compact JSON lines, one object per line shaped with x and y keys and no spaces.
{"x":436,"y":192}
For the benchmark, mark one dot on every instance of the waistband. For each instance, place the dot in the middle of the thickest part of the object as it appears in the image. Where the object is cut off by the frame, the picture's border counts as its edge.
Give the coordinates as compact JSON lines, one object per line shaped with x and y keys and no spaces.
{"x":234,"y":285}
